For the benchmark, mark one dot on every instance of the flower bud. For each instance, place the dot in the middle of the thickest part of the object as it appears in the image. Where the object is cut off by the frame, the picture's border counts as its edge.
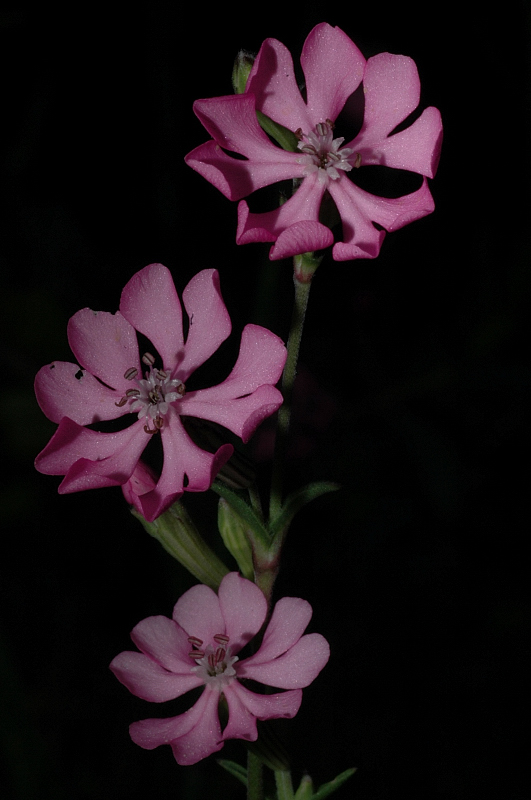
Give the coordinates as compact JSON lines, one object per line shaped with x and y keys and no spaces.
{"x":240,"y":71}
{"x":234,"y":535}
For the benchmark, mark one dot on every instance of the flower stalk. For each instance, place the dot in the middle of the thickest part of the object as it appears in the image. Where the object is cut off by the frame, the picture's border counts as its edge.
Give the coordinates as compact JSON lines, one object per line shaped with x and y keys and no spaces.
{"x":300,"y":304}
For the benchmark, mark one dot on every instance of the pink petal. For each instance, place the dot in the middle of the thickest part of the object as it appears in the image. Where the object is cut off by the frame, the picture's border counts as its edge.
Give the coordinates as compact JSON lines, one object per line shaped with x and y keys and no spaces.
{"x":241,"y":416}
{"x":193,"y":735}
{"x":296,"y":668}
{"x":89,"y":459}
{"x":301,"y":237}
{"x":359,"y":209}
{"x":333,"y":67}
{"x":165,"y":642}
{"x":209,"y":321}
{"x":303,"y":206}
{"x":243,"y":607}
{"x":148,"y":680}
{"x":245,"y":707}
{"x":150,"y":303}
{"x":361,"y":238}
{"x":237,"y":178}
{"x":392,"y":91}
{"x":272,"y":82}
{"x":65,"y":390}
{"x":183,"y":461}
{"x":288,"y":622}
{"x":104,"y":344}
{"x":198,"y":612}
{"x":142,"y":480}
{"x":416,"y":148}
{"x":260,"y":361}
{"x":232,"y":123}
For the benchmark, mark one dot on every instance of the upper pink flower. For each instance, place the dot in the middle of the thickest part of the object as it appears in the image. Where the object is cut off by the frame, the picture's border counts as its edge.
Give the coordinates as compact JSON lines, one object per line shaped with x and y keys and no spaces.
{"x":199,"y":647}
{"x":333,"y":68}
{"x":109,"y":384}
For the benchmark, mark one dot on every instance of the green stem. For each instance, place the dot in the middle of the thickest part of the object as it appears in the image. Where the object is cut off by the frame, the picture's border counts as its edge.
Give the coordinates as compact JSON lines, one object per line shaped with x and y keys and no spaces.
{"x":302,"y":293}
{"x":255,"y":784}
{"x":284,"y":785}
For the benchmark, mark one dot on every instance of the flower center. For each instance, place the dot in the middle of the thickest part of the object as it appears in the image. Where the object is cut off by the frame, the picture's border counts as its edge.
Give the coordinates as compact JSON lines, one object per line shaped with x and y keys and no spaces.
{"x":213,"y":662}
{"x":153,"y":394}
{"x":323,"y":153}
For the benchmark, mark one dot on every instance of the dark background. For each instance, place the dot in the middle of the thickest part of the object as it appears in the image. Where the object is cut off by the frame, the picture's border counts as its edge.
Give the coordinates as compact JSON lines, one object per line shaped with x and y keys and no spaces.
{"x":416,"y":401}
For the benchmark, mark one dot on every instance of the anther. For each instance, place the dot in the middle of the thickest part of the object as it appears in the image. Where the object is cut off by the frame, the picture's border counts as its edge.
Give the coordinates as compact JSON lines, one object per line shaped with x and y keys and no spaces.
{"x":121,"y":402}
{"x":148,"y":359}
{"x":130,"y":373}
{"x":194,"y":641}
{"x":357,"y":162}
{"x":220,"y":638}
{"x":197,"y":655}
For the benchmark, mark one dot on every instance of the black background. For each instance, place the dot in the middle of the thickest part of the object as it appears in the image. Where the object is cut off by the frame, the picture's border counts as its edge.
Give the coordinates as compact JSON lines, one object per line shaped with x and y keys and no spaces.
{"x":417,"y":403}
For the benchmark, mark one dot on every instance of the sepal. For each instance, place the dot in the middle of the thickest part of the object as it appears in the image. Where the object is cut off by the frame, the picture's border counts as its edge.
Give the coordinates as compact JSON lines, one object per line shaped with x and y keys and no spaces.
{"x":178,"y":535}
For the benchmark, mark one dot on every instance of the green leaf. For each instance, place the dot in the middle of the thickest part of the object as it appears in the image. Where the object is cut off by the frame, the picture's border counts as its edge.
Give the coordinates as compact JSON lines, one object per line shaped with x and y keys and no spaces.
{"x":235,"y":769}
{"x":297,"y":500}
{"x":327,"y":788}
{"x":285,"y":138}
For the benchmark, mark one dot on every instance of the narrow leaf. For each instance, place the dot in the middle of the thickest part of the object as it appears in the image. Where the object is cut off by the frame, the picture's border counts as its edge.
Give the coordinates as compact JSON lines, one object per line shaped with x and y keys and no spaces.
{"x":327,"y":788}
{"x":297,"y":500}
{"x":235,"y":769}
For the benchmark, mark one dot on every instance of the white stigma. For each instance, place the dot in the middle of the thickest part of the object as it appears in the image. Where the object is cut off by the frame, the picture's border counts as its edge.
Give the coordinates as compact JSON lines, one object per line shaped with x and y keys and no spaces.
{"x":323,"y":153}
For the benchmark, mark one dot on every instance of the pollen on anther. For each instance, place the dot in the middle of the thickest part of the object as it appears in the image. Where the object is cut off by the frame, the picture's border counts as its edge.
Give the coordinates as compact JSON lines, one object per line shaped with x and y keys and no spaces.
{"x":130,"y":373}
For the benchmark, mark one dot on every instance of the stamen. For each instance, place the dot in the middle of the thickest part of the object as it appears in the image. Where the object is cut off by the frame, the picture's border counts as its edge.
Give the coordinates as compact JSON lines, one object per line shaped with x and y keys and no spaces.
{"x":148,"y":359}
{"x":194,"y":641}
{"x":323,"y":154}
{"x":196,"y":654}
{"x":121,"y":402}
{"x":155,"y":429}
{"x":220,"y":638}
{"x":130,"y":373}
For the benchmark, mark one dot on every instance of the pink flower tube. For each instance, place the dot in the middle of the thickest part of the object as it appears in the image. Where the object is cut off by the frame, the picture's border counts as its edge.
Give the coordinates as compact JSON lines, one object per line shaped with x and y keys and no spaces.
{"x":110,"y":381}
{"x":200,"y":646}
{"x":333,"y":68}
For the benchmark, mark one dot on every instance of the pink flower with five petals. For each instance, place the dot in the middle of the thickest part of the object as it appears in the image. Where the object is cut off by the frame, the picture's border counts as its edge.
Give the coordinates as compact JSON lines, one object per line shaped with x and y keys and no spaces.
{"x":333,"y":68}
{"x":110,"y":381}
{"x":200,"y":646}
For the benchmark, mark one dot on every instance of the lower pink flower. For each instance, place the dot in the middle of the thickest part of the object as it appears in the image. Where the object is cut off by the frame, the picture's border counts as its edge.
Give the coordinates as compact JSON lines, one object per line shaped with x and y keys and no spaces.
{"x":110,"y":381}
{"x":200,"y":646}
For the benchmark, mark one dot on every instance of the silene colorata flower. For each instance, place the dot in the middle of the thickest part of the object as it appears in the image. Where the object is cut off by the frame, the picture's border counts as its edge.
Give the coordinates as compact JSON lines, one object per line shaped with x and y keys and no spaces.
{"x":112,"y":380}
{"x":199,"y":647}
{"x":322,"y":163}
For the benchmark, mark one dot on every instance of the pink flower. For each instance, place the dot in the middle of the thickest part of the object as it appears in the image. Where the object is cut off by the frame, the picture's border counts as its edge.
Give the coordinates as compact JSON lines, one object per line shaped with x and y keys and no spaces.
{"x":109,"y":384}
{"x":199,"y":647}
{"x":334,"y":68}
